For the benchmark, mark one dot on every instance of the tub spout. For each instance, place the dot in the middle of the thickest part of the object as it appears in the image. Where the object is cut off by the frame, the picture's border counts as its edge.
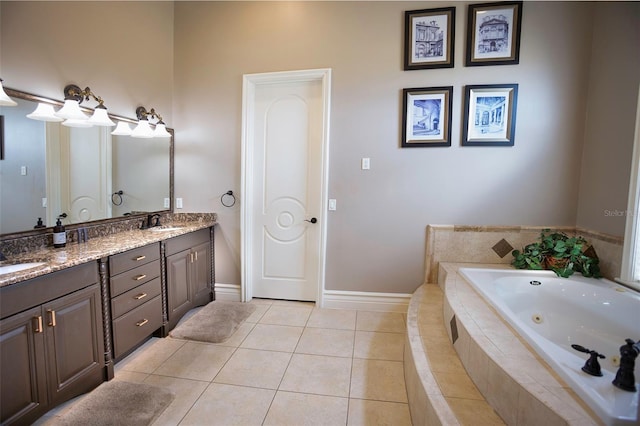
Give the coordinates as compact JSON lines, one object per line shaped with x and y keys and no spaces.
{"x":592,"y":366}
{"x":625,"y":379}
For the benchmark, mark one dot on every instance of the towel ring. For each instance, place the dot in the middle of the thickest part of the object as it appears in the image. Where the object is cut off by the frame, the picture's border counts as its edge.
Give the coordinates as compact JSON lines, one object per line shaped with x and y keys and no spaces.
{"x":228,"y":203}
{"x":116,"y":198}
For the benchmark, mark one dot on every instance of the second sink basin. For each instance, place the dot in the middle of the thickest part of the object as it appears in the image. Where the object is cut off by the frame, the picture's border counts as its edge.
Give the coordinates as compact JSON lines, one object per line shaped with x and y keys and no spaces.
{"x":10,"y":269}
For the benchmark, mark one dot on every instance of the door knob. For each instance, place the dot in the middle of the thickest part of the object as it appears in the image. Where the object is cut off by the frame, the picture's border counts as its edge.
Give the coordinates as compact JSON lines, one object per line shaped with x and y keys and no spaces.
{"x":312,"y":220}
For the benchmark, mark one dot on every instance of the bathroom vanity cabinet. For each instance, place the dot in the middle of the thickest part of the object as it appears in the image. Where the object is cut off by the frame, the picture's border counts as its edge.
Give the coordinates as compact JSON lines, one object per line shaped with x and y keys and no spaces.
{"x":51,"y":342}
{"x":136,"y":296}
{"x":189,"y":266}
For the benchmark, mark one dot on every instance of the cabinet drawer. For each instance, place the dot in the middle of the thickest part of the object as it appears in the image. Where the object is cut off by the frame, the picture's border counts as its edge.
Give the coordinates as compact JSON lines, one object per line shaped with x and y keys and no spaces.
{"x":27,"y":294}
{"x":135,"y":297}
{"x":186,"y":241}
{"x":134,"y":326}
{"x":132,"y":258}
{"x":134,"y":277}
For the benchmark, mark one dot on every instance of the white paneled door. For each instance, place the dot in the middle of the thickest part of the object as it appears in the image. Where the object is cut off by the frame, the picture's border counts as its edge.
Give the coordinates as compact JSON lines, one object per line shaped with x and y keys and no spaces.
{"x":284,"y":174}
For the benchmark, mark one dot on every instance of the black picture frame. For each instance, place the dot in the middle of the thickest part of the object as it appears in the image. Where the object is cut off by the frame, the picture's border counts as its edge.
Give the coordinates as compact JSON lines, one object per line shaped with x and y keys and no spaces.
{"x":426,"y":117}
{"x":429,"y":38}
{"x":489,"y":115}
{"x":493,"y":33}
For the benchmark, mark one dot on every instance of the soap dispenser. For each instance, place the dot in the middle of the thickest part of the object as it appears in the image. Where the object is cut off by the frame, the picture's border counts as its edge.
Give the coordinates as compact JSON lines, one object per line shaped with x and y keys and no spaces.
{"x":59,"y":235}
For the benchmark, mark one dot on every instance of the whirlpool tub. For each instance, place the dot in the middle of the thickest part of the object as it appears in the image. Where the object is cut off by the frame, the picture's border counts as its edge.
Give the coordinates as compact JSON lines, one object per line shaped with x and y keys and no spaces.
{"x":553,"y":313}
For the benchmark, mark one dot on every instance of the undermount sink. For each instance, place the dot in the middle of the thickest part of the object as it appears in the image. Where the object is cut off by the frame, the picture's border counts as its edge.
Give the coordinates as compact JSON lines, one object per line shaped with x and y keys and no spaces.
{"x":10,"y":269}
{"x":165,"y":229}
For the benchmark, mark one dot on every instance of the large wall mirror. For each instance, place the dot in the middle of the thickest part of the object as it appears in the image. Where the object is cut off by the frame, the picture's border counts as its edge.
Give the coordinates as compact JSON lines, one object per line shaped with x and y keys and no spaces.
{"x":83,"y":174}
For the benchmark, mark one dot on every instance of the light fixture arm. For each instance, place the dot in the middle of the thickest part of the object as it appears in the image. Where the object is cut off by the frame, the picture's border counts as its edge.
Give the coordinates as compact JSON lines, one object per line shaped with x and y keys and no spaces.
{"x":143,"y":114}
{"x":71,"y":91}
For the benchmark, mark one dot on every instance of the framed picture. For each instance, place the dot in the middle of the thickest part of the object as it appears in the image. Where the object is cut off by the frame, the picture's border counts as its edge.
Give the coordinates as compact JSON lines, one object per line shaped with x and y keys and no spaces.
{"x":429,"y":38}
{"x":493,"y":33}
{"x":426,"y":117}
{"x":489,"y":115}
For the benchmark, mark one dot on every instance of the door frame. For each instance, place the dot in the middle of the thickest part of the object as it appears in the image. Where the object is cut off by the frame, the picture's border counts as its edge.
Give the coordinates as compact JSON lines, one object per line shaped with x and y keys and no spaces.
{"x":249,"y":84}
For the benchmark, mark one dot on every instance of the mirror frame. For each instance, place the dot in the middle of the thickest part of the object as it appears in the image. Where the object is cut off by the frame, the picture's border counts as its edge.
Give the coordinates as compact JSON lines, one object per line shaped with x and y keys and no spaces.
{"x":14,"y":93}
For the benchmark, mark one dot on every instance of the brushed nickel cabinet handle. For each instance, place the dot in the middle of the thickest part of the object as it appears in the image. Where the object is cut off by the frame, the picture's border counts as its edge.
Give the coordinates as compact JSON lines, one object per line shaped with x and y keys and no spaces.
{"x":37,"y":324}
{"x":139,"y":258}
{"x":191,"y":256}
{"x":196,"y":253}
{"x":52,"y":317}
{"x":140,"y":277}
{"x":140,"y":296}
{"x":141,"y":323}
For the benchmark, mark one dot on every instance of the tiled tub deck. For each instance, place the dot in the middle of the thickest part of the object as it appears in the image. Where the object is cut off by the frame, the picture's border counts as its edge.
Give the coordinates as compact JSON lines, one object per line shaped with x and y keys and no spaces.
{"x":488,"y":375}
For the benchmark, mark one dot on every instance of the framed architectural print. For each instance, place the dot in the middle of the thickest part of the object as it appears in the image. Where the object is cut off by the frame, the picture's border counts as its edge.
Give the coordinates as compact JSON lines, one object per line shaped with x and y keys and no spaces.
{"x":426,"y":117}
{"x":489,"y":115}
{"x":429,"y":38}
{"x":493,"y":33}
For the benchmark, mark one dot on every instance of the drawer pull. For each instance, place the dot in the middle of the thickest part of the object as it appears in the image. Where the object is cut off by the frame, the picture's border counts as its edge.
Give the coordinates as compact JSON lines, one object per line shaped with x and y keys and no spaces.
{"x":37,"y":324}
{"x":141,"y":323}
{"x":52,"y":318}
{"x":140,"y":296}
{"x":139,"y":258}
{"x":140,"y":277}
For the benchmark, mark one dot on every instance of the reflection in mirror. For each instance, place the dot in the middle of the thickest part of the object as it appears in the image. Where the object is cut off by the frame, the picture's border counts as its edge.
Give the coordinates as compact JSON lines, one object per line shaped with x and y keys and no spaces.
{"x":87,"y":174}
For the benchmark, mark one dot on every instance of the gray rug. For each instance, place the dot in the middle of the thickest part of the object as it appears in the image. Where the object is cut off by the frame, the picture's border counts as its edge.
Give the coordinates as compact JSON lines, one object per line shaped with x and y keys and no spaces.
{"x":117,"y":403}
{"x":214,"y":323}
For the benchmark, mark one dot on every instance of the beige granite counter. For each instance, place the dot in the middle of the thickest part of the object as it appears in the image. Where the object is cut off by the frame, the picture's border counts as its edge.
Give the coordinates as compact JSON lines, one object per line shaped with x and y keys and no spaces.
{"x":55,"y":259}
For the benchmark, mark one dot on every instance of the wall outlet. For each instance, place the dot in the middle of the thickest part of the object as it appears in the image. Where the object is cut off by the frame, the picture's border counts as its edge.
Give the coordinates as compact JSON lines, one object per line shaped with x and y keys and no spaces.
{"x":44,"y":202}
{"x":332,"y":204}
{"x":166,"y":203}
{"x":366,"y":163}
{"x":23,"y":170}
{"x":178,"y":203}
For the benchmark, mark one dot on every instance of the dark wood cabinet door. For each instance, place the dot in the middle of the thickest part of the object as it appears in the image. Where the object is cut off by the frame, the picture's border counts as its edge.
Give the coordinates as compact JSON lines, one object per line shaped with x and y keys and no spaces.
{"x":22,"y":367}
{"x":178,"y":290}
{"x":73,"y":326}
{"x":201,"y":274}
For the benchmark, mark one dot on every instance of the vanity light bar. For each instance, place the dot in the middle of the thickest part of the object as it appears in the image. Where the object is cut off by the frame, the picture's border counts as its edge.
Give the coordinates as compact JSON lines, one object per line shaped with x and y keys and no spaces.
{"x":71,"y":112}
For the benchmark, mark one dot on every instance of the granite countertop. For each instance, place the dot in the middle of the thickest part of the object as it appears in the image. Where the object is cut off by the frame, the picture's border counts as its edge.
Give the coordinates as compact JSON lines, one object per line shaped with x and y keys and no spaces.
{"x":55,"y":259}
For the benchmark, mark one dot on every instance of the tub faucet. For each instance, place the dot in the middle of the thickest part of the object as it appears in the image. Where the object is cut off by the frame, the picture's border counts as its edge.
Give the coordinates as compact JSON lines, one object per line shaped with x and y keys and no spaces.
{"x":592,"y":366}
{"x":625,"y":379}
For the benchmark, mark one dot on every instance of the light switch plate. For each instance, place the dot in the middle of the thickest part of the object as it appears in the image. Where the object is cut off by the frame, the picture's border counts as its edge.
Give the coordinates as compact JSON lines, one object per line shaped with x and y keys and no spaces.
{"x":166,"y":203}
{"x":366,"y":163}
{"x":332,"y":204}
{"x":23,"y":170}
{"x":178,"y":203}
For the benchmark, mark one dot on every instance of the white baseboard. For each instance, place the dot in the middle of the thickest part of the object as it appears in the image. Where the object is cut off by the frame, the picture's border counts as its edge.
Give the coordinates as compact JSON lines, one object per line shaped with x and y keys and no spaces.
{"x":366,"y":301}
{"x":228,"y":292}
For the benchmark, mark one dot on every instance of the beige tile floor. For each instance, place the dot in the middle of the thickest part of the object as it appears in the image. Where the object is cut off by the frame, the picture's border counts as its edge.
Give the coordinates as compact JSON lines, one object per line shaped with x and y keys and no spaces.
{"x":290,"y":363}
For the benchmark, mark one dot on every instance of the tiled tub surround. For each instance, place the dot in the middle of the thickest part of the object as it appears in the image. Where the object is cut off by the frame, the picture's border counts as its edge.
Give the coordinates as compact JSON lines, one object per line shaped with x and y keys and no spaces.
{"x":493,"y":244}
{"x":104,"y":240}
{"x":517,"y":383}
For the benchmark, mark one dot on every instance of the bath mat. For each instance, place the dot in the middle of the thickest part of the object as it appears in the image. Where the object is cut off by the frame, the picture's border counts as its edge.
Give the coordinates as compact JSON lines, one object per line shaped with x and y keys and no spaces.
{"x":214,"y":323}
{"x":117,"y":403}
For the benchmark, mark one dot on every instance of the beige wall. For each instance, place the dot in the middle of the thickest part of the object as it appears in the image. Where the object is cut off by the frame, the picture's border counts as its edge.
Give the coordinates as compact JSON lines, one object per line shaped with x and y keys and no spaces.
{"x":190,"y":56}
{"x":610,"y":120}
{"x":122,"y":50}
{"x":376,"y":237}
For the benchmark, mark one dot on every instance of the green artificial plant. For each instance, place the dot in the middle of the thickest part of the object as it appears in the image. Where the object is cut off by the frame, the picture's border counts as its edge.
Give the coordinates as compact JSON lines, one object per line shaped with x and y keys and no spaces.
{"x":560,"y":253}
